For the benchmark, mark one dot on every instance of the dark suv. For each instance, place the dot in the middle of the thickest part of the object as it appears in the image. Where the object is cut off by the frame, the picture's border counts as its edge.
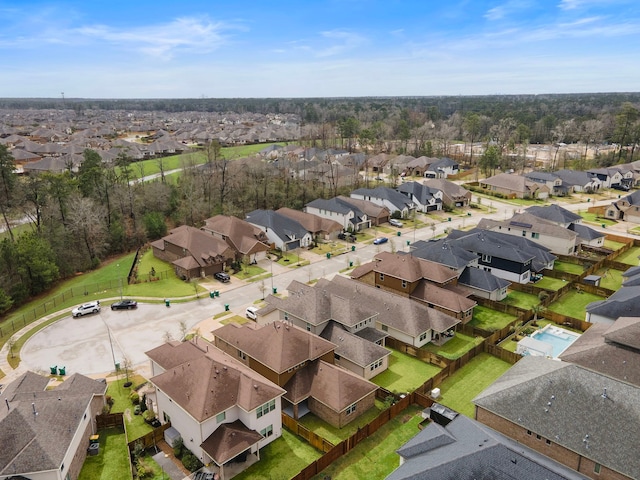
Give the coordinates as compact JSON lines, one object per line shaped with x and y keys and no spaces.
{"x":223,"y":277}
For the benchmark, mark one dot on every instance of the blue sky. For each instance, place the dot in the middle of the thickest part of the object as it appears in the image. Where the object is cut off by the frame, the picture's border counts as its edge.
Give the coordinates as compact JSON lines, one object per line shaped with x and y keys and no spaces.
{"x":308,"y":48}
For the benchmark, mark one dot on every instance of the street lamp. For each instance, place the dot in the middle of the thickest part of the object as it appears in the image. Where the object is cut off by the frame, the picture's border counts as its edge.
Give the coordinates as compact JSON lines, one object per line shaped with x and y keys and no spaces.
{"x":119,"y":279}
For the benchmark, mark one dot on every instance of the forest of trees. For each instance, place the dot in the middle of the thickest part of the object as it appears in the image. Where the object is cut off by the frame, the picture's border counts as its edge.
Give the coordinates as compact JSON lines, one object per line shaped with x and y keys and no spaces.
{"x":79,"y":219}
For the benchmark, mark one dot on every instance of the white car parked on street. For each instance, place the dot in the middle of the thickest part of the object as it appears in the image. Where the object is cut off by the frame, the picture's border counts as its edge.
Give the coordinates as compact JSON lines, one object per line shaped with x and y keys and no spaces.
{"x":86,"y":308}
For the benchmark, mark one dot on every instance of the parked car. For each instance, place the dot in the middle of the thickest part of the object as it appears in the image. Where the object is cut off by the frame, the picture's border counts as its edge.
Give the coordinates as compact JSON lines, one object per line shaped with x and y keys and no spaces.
{"x":380,"y":240}
{"x":395,"y":223}
{"x":222,"y":276}
{"x":621,"y":186}
{"x":251,"y":313}
{"x":86,"y":308}
{"x":125,"y":304}
{"x":342,"y":236}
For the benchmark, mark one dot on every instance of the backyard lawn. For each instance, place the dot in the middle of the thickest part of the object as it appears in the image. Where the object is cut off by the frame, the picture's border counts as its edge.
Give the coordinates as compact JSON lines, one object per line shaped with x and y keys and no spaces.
{"x":405,"y":373}
{"x":611,"y":245}
{"x":135,"y":424}
{"x":550,"y":283}
{"x":337,"y":435}
{"x":574,"y":303}
{"x":629,"y":257}
{"x":610,"y":278}
{"x":113,"y":459}
{"x":376,"y":456}
{"x":456,"y":347}
{"x":594,"y":218}
{"x":568,"y":267}
{"x":489,"y":320}
{"x":282,"y":458}
{"x":522,"y":300}
{"x":459,"y":389}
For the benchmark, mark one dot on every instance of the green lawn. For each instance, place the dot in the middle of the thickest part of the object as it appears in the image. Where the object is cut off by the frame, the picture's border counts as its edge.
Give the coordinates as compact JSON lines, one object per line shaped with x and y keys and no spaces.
{"x":610,"y":244}
{"x":405,"y":373}
{"x":522,"y":300}
{"x":135,"y":424}
{"x":594,"y":218}
{"x":249,"y":271}
{"x":629,"y":257}
{"x":550,"y":283}
{"x":113,"y":459}
{"x":576,"y":269}
{"x":610,"y":278}
{"x":376,"y":456}
{"x":283,"y":458}
{"x":490,"y":320}
{"x":459,"y":389}
{"x":456,"y":347}
{"x":336,"y":435}
{"x":573,"y":303}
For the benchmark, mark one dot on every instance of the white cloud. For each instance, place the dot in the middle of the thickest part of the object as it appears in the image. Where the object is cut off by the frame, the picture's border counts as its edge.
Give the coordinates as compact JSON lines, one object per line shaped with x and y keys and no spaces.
{"x":343,"y":41}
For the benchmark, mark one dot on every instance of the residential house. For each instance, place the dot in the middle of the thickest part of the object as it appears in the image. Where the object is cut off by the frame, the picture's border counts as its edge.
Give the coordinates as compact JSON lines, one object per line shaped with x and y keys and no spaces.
{"x":431,"y":283}
{"x":572,"y":221}
{"x":551,"y":180}
{"x":283,"y":232}
{"x":361,"y":309}
{"x":303,"y":364}
{"x":418,"y":166}
{"x":464,"y":449}
{"x":249,"y":242}
{"x":321,"y":228}
{"x":425,"y":198}
{"x":611,"y":176}
{"x":442,"y":168}
{"x":623,"y":303}
{"x":627,"y":208}
{"x":573,"y":415}
{"x":453,"y":195}
{"x":386,"y":197}
{"x":610,"y":349}
{"x":350,"y":217}
{"x":506,"y":256}
{"x":514,"y":186}
{"x":484,"y":284}
{"x":224,"y":411}
{"x":556,"y":238}
{"x":376,"y":214}
{"x":44,"y":432}
{"x":192,"y":252}
{"x":579,"y":181}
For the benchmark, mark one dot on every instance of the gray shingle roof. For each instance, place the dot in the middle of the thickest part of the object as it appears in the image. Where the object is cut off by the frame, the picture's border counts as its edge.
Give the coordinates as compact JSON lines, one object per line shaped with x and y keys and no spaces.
{"x":623,"y":303}
{"x":443,"y":252}
{"x":554,"y":213}
{"x":482,"y":280}
{"x":285,"y":227}
{"x":397,"y":199}
{"x":352,"y":347}
{"x":579,"y":409}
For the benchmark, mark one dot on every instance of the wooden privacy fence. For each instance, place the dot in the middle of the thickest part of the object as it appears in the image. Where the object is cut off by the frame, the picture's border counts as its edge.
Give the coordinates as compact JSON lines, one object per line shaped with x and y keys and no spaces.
{"x":151,"y":439}
{"x":312,"y":438}
{"x":107,"y":420}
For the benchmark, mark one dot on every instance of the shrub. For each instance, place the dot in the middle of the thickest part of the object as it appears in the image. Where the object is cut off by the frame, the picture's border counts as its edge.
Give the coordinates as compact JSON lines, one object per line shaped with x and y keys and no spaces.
{"x":106,"y":409}
{"x":143,"y":471}
{"x":109,"y":399}
{"x":138,"y":450}
{"x":191,"y":462}
{"x":143,"y":403}
{"x":149,"y":416}
{"x":178,"y":447}
{"x":134,"y":397}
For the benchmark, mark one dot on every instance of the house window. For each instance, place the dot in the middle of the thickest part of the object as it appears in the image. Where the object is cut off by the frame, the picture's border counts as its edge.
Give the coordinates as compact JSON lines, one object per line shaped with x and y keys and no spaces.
{"x":166,"y":417}
{"x":62,"y":467}
{"x":528,"y":432}
{"x":385,"y":328}
{"x":308,"y":327}
{"x":423,"y":336}
{"x":242,"y":355}
{"x":538,"y":437}
{"x":376,"y":364}
{"x":547,"y":441}
{"x":596,"y":468}
{"x":382,"y":277}
{"x":267,"y":432}
{"x":486,"y":258}
{"x":336,"y":356}
{"x":351,"y":409}
{"x":524,"y":233}
{"x":404,"y":284}
{"x":266,"y":408}
{"x":220,"y":417}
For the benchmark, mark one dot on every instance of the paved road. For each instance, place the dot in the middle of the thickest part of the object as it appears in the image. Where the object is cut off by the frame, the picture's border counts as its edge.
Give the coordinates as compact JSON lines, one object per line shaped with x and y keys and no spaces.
{"x":92,"y":344}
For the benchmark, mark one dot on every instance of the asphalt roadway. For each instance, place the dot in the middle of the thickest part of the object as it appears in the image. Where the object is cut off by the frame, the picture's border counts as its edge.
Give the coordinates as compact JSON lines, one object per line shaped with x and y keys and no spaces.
{"x":91,"y":345}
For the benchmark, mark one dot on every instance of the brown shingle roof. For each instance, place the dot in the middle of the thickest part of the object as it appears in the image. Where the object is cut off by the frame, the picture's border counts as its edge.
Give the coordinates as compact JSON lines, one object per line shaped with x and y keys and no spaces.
{"x":203,"y":247}
{"x":312,"y":223}
{"x":243,"y":237}
{"x":280,"y":346}
{"x":229,"y":440}
{"x":412,"y":269}
{"x":442,"y":297}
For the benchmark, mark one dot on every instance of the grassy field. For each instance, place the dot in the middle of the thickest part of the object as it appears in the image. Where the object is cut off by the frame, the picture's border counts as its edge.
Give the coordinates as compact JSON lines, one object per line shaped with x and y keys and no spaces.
{"x":376,"y":456}
{"x":113,"y":459}
{"x":489,"y":320}
{"x":405,"y":373}
{"x":522,"y":300}
{"x":282,"y":458}
{"x":459,"y":389}
{"x":574,"y":303}
{"x":610,"y":244}
{"x":456,"y":347}
{"x":550,"y":283}
{"x":135,"y":424}
{"x":630,"y":257}
{"x":568,"y":267}
{"x":610,"y":278}
{"x":597,"y":220}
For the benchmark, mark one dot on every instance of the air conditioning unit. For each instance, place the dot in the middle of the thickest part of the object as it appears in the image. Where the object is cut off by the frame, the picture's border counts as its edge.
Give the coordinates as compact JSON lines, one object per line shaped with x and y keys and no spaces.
{"x":435,"y":393}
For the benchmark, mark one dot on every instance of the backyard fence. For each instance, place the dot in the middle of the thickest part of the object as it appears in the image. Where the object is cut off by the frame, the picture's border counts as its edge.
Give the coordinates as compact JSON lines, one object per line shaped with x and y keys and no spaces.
{"x":312,"y":438}
{"x":108,"y":420}
{"x":149,"y":440}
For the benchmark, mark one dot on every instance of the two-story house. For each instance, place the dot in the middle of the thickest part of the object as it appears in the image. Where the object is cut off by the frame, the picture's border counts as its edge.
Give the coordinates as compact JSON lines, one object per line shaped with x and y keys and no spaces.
{"x":425,"y":198}
{"x":386,"y":197}
{"x":283,"y":232}
{"x":350,"y":217}
{"x":249,"y":242}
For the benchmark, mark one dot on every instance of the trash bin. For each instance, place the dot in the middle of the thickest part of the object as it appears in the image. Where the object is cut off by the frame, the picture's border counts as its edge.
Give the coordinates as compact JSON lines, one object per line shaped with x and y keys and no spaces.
{"x":167,"y":302}
{"x":399,"y":234}
{"x":274,"y":290}
{"x":408,"y":242}
{"x":226,"y":307}
{"x":351,"y":264}
{"x":54,"y":370}
{"x":117,"y":366}
{"x":94,"y":449}
{"x":353,"y":248}
{"x":217,"y":293}
{"x":604,"y":225}
{"x":328,"y":254}
{"x":62,"y":371}
{"x":449,"y":219}
{"x":468,"y":214}
{"x":212,"y":294}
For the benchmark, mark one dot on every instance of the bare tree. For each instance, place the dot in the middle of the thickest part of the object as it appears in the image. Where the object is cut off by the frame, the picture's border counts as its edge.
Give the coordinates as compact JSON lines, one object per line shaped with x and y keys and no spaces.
{"x":86,"y":221}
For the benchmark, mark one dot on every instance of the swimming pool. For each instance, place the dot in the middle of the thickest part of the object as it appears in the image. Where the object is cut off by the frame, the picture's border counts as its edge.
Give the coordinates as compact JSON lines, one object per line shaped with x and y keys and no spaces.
{"x":559,"y":338}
